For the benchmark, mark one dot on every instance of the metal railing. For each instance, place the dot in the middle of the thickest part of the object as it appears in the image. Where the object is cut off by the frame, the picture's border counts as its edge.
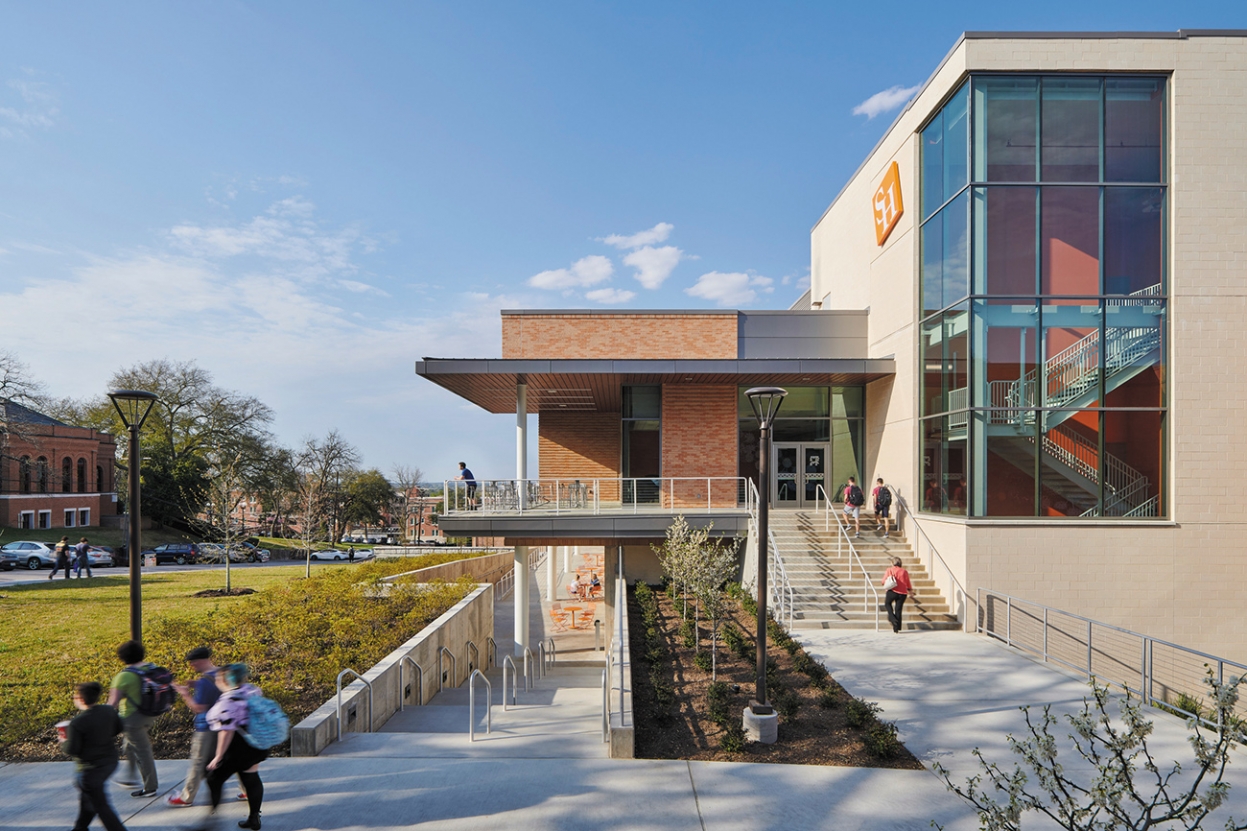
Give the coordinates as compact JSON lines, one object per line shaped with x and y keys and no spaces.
{"x":489,"y":704}
{"x":441,"y":667}
{"x":402,"y":684}
{"x":779,"y":588}
{"x":367,"y":684}
{"x":491,"y":652}
{"x":606,"y":707}
{"x":682,"y":494}
{"x":553,"y":652}
{"x":515,"y":681}
{"x":960,"y":598}
{"x":541,"y":659}
{"x":843,"y":539}
{"x":505,"y":584}
{"x":529,"y":681}
{"x":469,"y":648}
{"x":1157,"y":670}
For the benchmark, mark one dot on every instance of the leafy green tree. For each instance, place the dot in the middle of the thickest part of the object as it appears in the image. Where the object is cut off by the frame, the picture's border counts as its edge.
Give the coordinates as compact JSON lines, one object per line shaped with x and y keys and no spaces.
{"x":368,"y":496}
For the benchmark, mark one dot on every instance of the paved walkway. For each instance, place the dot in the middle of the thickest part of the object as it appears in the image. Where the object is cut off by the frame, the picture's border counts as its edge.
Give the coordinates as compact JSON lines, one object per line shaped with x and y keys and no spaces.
{"x":948,"y":692}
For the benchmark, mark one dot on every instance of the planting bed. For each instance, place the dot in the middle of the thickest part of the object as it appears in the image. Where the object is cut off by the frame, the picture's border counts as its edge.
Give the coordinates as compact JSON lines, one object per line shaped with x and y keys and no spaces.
{"x":680,"y":715}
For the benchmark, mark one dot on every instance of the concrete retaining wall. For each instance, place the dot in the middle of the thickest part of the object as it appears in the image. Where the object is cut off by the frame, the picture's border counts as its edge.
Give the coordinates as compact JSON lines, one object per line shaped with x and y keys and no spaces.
{"x":622,"y":725}
{"x":471,"y":619}
{"x":487,"y":569}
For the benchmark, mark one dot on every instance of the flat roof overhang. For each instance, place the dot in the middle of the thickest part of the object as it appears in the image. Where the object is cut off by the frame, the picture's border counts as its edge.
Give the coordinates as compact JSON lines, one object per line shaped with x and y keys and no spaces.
{"x":594,"y":385}
{"x":617,"y":527}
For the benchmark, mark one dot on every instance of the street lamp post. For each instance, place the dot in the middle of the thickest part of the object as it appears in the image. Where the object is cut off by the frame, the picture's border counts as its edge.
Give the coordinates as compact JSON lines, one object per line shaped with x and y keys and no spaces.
{"x":134,"y":406}
{"x":765,"y":402}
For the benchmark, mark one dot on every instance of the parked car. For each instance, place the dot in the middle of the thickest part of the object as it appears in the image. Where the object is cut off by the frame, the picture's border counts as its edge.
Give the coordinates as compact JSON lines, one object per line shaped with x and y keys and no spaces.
{"x":250,"y":552}
{"x":100,"y":556}
{"x":9,"y":560}
{"x":32,"y":555}
{"x":328,"y":554}
{"x":174,"y":552}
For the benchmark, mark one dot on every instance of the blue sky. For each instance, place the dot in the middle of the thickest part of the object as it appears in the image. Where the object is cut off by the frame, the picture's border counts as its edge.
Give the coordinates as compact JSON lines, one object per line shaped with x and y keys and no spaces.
{"x":307,"y":197}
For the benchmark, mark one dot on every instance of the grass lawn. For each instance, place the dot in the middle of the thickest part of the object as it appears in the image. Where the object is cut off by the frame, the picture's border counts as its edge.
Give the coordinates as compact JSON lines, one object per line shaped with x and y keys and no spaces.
{"x":296,"y":634}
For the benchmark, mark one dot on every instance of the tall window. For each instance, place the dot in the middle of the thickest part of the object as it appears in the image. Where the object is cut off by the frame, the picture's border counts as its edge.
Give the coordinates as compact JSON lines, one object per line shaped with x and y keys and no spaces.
{"x":23,"y":477}
{"x":642,"y":443}
{"x":67,"y":475}
{"x":100,"y":484}
{"x":82,"y":476}
{"x":1044,"y":298}
{"x":41,"y":474}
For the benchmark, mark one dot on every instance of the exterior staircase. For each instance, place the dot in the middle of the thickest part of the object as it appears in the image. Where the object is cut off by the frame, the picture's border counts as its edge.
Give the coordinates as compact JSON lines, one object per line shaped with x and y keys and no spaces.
{"x":825,"y":597}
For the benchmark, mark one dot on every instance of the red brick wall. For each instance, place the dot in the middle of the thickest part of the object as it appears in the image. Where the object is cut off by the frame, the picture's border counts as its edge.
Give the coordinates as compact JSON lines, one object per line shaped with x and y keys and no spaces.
{"x":582,"y":446}
{"x":620,"y":336}
{"x":55,"y":444}
{"x":699,"y":439}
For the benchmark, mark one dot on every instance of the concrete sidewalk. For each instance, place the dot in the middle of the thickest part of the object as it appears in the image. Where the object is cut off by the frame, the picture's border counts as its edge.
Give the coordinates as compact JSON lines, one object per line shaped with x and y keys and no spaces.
{"x":948,"y":692}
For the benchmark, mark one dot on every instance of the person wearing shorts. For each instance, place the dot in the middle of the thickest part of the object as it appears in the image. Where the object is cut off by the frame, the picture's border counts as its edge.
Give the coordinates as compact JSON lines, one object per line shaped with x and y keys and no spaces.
{"x":883,"y":507}
{"x":469,"y":480}
{"x":851,"y":511}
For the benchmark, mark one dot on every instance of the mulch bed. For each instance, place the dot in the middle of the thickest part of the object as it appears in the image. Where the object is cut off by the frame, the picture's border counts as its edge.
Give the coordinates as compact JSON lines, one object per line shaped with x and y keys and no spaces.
{"x":817,"y":735}
{"x":223,"y":593}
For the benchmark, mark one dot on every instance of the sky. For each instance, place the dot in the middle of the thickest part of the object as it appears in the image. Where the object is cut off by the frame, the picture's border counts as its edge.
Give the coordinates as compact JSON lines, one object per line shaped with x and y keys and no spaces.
{"x":306,"y":198}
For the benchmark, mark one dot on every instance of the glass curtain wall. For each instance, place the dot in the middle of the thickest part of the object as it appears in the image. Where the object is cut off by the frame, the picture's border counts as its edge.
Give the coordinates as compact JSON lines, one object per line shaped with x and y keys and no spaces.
{"x":1044,"y":298}
{"x":642,"y":444}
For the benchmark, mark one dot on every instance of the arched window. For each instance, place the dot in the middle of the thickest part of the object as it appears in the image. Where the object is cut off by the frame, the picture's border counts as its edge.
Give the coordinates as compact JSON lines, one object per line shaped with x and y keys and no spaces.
{"x":82,"y":476}
{"x":41,"y":471}
{"x":99,"y":479}
{"x":23,"y":476}
{"x":67,"y":475}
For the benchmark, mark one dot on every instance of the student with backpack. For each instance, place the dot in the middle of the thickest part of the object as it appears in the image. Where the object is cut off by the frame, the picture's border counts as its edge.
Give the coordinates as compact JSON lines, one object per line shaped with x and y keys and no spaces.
{"x":247,"y":726}
{"x":854,"y":499}
{"x":883,"y":506}
{"x":140,"y":692}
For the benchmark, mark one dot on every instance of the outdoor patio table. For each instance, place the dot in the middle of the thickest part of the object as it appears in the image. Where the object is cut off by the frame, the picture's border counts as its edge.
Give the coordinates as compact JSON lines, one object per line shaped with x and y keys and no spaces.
{"x":573,"y":610}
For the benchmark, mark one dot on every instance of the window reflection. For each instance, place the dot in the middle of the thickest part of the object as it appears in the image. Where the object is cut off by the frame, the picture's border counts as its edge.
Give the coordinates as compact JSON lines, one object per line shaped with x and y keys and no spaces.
{"x":1070,"y":132}
{"x":1006,"y":111}
{"x":1133,"y":129}
{"x":1070,"y":241}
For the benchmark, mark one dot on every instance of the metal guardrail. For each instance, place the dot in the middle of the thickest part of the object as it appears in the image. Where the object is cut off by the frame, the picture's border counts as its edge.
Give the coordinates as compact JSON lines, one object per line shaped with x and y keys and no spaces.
{"x":779,"y":587}
{"x":844,"y":538}
{"x":960,"y":598}
{"x":469,"y":648}
{"x":529,"y":682}
{"x":541,"y":659}
{"x":553,"y":653}
{"x":491,"y":652}
{"x":441,"y":667}
{"x":1158,"y":671}
{"x":489,"y":704}
{"x":674,"y":494}
{"x":606,"y":708}
{"x":402,"y":685}
{"x":368,"y":684}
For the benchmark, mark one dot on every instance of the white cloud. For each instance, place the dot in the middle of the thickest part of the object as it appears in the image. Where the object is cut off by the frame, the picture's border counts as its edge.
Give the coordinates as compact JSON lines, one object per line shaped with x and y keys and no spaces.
{"x":609,"y":295}
{"x":361,"y":288}
{"x":587,"y":271}
{"x":730,"y":289}
{"x":886,"y":101}
{"x":39,"y":108}
{"x":658,"y":233}
{"x":654,"y":265}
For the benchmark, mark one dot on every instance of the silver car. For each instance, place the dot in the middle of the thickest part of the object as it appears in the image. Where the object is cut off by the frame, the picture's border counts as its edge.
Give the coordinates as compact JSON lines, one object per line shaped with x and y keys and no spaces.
{"x":32,"y":555}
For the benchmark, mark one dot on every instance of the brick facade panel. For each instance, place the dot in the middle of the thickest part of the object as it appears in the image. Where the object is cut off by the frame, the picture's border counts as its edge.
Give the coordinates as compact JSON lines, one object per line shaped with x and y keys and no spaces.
{"x":635,"y":336}
{"x":699,"y":429}
{"x":584,"y":446}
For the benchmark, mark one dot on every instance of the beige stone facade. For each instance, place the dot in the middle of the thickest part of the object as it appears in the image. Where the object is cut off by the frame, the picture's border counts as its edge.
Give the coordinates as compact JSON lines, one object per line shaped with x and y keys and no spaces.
{"x":1174,"y":578}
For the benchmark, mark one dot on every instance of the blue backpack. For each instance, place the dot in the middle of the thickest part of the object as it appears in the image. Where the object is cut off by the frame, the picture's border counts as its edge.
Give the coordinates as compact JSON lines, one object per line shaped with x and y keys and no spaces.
{"x":267,"y":724}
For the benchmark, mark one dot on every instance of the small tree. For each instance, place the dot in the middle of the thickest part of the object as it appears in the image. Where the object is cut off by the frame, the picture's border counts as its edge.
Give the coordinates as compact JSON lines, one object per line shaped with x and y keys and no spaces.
{"x":406,"y":483}
{"x":699,"y":566}
{"x":1124,"y":787}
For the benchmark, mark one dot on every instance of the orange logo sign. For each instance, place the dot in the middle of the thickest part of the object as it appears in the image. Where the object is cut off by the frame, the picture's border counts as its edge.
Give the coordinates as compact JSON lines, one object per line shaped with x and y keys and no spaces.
{"x":887,"y":203}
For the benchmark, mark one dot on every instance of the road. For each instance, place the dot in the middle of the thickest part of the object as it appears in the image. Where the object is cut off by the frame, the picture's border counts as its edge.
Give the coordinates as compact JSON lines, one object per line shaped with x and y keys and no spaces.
{"x":21,"y":575}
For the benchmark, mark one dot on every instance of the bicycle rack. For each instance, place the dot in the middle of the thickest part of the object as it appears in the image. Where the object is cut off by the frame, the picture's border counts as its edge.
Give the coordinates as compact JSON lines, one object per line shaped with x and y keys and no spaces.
{"x":368,"y":684}
{"x":491,"y":653}
{"x":515,"y":681}
{"x":402,"y":699}
{"x":469,"y":647}
{"x":528,"y":680}
{"x":489,"y":703}
{"x":441,"y":667}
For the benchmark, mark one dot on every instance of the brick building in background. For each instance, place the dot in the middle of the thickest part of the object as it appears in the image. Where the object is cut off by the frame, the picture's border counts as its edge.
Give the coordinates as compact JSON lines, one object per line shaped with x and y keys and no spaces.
{"x":53,"y":475}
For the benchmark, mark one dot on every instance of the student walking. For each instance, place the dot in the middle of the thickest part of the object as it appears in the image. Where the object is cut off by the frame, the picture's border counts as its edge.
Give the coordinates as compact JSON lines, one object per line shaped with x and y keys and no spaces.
{"x":89,"y":741}
{"x":82,"y":557}
{"x":199,"y":696}
{"x":883,"y":506}
{"x":896,"y":582}
{"x":234,"y":754}
{"x":854,"y":499}
{"x":127,"y":695}
{"x":62,"y":558}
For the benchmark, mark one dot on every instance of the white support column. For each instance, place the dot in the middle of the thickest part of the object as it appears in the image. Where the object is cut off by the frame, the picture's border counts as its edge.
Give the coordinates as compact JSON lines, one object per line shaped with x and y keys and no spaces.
{"x":521,"y":441}
{"x":567,"y":553}
{"x":552,"y":563}
{"x":520,"y":594}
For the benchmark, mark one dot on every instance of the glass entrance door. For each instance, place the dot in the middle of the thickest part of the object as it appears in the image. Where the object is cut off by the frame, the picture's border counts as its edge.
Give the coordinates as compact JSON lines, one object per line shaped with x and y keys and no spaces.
{"x":799,"y":470}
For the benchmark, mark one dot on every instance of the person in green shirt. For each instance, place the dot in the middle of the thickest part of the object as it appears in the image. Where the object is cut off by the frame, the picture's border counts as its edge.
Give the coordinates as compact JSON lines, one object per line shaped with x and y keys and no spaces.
{"x":89,"y":741}
{"x":126,"y":692}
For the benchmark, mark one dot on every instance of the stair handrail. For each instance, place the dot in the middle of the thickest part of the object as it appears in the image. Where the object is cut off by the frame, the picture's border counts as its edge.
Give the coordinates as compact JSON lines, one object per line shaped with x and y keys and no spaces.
{"x":489,"y":704}
{"x":515,"y":681}
{"x":469,"y":648}
{"x":829,"y":512}
{"x":367,"y":684}
{"x":779,"y":584}
{"x":935,"y":555}
{"x":402,"y":699}
{"x":606,"y":707}
{"x":529,"y":683}
{"x":541,"y":659}
{"x":553,"y":651}
{"x":441,"y":666}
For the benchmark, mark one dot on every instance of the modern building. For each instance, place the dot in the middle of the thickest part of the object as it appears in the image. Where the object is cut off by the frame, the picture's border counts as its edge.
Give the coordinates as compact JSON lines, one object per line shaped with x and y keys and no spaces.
{"x":53,"y":475}
{"x":1024,"y":312}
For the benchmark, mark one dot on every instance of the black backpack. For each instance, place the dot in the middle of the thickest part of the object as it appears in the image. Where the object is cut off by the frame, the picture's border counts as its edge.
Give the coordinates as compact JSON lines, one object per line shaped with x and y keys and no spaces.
{"x":884,"y":498}
{"x":855,"y":496}
{"x":156,"y":693}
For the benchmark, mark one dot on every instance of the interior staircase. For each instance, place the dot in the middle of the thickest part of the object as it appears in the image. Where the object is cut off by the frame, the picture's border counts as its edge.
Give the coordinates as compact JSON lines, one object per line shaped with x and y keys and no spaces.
{"x":826,"y":597}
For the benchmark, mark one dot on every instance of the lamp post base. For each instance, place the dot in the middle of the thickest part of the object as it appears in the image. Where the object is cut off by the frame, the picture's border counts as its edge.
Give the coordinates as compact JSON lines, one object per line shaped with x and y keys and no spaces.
{"x":762,"y":727}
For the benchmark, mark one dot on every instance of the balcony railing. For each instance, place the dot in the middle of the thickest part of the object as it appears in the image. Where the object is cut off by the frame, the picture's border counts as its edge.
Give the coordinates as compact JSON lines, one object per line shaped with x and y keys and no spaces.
{"x":666,"y":495}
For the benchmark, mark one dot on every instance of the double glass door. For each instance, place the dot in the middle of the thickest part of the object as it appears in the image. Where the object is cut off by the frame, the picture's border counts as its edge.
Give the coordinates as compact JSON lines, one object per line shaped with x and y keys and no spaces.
{"x":799,"y":468}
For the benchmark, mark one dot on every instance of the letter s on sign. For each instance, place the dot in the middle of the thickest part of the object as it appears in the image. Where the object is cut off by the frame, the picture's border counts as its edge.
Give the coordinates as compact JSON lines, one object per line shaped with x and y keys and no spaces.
{"x":887,"y":203}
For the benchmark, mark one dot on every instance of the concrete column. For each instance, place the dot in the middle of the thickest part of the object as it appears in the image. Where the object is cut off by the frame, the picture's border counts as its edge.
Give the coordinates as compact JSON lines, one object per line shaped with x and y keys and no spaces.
{"x":567,"y":549}
{"x":521,"y":439}
{"x":521,"y":600}
{"x":552,"y":563}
